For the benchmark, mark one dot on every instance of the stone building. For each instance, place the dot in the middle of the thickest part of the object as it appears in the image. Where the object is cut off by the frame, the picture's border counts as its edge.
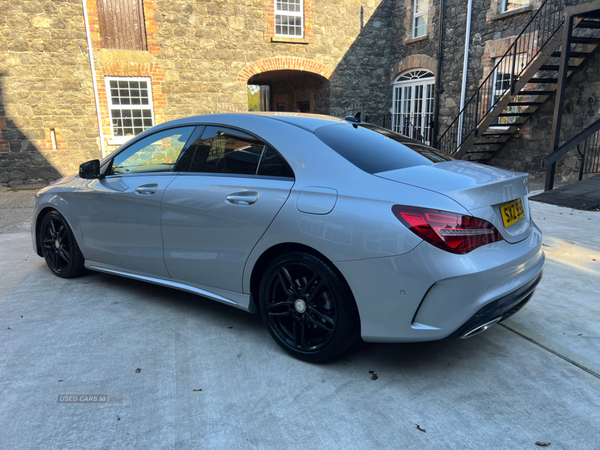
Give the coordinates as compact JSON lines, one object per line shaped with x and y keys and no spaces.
{"x":68,"y":65}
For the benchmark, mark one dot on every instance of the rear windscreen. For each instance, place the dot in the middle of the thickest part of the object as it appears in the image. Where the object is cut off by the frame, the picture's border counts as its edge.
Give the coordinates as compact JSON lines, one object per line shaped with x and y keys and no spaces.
{"x":375,"y":149}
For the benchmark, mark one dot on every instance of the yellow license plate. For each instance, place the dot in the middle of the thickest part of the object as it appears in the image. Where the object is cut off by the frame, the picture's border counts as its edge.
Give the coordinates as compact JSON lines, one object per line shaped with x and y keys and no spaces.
{"x":512,"y":212}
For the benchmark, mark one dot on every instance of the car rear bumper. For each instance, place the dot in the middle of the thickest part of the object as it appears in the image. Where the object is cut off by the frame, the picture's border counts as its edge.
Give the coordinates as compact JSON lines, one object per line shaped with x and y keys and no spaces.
{"x":429,"y":294}
{"x":497,"y":311}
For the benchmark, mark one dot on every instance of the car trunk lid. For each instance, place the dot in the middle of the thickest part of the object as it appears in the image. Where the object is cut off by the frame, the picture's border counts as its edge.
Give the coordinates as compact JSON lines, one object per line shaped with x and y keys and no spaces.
{"x":482,"y":190}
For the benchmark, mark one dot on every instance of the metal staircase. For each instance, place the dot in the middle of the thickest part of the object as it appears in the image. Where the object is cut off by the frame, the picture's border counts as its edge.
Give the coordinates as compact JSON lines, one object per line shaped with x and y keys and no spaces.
{"x":523,"y":79}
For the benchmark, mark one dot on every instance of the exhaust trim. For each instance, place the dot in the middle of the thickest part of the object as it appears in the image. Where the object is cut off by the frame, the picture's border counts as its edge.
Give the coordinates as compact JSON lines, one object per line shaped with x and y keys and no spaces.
{"x":481,"y":328}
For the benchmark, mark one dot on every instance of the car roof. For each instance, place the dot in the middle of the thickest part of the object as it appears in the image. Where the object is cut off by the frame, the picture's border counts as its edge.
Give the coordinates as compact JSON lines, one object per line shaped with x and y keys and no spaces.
{"x":308,"y":122}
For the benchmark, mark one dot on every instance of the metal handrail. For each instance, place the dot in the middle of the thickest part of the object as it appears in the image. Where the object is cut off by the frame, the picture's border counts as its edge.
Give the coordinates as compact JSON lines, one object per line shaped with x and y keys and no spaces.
{"x":412,"y":127}
{"x":571,"y":144}
{"x":540,"y":29}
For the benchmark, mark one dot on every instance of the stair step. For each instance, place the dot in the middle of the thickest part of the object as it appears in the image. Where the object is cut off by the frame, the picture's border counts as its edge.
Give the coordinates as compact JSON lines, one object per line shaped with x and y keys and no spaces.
{"x":589,"y":24}
{"x":572,"y":54}
{"x":584,"y":40}
{"x":489,"y":143}
{"x":505,"y":133}
{"x":525,"y":92}
{"x":555,"y":68}
{"x":543,"y":80}
{"x":515,"y":114}
{"x":473,"y":153}
{"x":595,"y":14}
{"x":524,"y":103}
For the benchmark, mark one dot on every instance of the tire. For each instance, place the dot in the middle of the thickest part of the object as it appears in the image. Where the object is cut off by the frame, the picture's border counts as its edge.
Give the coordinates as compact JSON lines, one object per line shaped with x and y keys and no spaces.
{"x":307,"y":307}
{"x":59,"y":247}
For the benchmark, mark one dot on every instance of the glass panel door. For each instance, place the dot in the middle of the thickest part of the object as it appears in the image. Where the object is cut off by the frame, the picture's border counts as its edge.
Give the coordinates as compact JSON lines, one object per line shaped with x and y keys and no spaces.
{"x":413,"y":105}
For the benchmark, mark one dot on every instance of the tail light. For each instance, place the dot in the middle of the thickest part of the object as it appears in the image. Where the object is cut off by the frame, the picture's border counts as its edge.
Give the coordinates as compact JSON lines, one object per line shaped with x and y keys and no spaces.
{"x":455,"y":233}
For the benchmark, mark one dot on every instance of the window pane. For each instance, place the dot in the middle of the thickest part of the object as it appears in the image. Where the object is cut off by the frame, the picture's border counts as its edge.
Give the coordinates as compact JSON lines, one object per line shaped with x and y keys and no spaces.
{"x":220,"y":150}
{"x":514,"y":4}
{"x":156,"y":153}
{"x":288,"y":18}
{"x":421,"y":6}
{"x":274,"y":166}
{"x":125,"y":92}
{"x":375,"y":149}
{"x":420,"y":26}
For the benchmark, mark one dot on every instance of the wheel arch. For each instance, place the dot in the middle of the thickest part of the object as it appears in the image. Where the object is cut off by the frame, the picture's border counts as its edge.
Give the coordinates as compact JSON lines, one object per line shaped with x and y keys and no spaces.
{"x":279,"y":249}
{"x":38,"y":227}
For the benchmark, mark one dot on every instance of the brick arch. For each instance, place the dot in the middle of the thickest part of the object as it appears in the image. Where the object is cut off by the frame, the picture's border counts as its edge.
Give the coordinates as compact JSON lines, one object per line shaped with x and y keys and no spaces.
{"x":284,"y":63}
{"x":414,"y":62}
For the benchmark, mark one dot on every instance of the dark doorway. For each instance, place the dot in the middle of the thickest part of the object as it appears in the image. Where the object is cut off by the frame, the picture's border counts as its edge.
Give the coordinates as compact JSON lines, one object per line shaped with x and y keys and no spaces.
{"x":294,"y":91}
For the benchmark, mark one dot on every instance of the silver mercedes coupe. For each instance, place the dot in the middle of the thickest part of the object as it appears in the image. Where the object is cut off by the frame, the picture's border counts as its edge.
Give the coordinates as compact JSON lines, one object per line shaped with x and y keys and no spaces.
{"x":332,"y":229}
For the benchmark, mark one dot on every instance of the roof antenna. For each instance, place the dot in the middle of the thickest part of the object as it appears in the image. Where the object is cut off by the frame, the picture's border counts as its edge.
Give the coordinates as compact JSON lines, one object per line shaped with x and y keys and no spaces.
{"x":355,"y":120}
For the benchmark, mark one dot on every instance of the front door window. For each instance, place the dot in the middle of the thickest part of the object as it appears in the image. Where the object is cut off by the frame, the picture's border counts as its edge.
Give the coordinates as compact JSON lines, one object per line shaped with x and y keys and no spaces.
{"x":156,"y":153}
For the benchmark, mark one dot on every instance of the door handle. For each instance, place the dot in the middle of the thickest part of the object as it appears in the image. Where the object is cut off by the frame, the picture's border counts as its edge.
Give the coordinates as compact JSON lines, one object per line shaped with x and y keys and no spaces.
{"x":242,"y":198}
{"x":146,"y":189}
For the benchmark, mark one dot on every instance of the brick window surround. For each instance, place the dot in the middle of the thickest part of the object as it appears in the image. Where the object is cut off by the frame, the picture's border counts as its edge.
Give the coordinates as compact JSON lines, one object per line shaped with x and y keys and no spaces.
{"x":493,"y":50}
{"x":495,"y":11}
{"x":4,"y":145}
{"x":413,"y":62}
{"x":409,"y":6}
{"x":269,"y":33}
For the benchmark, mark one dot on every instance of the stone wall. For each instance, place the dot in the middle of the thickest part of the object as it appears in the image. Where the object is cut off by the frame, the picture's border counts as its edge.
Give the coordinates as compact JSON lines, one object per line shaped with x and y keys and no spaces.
{"x":197,"y":52}
{"x":46,"y":101}
{"x":490,"y":31}
{"x":202,"y":53}
{"x":525,"y":151}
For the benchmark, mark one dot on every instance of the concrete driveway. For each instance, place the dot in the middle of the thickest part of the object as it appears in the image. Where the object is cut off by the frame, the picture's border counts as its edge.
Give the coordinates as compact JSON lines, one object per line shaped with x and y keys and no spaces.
{"x":211,"y":376}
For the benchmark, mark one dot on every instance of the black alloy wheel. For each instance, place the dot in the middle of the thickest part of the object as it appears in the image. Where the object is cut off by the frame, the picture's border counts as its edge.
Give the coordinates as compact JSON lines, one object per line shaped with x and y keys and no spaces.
{"x":307,"y":307}
{"x":59,"y":247}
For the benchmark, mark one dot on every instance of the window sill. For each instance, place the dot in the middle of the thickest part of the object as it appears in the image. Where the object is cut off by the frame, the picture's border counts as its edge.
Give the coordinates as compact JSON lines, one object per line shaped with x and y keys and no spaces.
{"x":415,"y":40}
{"x":511,"y":13}
{"x":289,"y":40}
{"x":117,"y":141}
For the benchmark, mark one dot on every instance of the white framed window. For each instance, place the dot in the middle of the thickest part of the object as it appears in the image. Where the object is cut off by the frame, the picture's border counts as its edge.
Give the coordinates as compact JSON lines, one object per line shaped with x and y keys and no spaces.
{"x":509,"y":5}
{"x":289,"y":18}
{"x":420,"y":10}
{"x":413,"y":105}
{"x":130,"y":105}
{"x":501,"y":84}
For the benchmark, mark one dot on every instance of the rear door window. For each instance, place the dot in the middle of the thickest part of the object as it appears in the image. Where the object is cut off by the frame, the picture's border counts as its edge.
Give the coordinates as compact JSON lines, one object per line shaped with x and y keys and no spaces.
{"x":221,"y":150}
{"x":273,"y":165}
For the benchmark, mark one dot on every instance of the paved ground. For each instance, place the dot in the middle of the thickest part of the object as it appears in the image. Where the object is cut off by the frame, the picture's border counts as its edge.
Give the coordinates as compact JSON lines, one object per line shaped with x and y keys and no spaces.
{"x":211,"y":377}
{"x":16,"y":207}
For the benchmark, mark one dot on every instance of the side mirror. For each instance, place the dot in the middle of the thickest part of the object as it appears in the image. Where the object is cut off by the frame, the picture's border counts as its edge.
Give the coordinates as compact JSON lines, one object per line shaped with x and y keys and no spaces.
{"x":90,"y":169}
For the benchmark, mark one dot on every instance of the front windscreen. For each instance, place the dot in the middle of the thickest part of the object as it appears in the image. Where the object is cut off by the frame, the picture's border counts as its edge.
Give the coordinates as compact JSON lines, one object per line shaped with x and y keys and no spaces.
{"x":375,"y":149}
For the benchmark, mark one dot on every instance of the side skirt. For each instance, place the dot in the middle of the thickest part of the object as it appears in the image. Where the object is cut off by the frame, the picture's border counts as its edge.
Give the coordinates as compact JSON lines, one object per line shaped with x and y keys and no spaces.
{"x":236,"y":299}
